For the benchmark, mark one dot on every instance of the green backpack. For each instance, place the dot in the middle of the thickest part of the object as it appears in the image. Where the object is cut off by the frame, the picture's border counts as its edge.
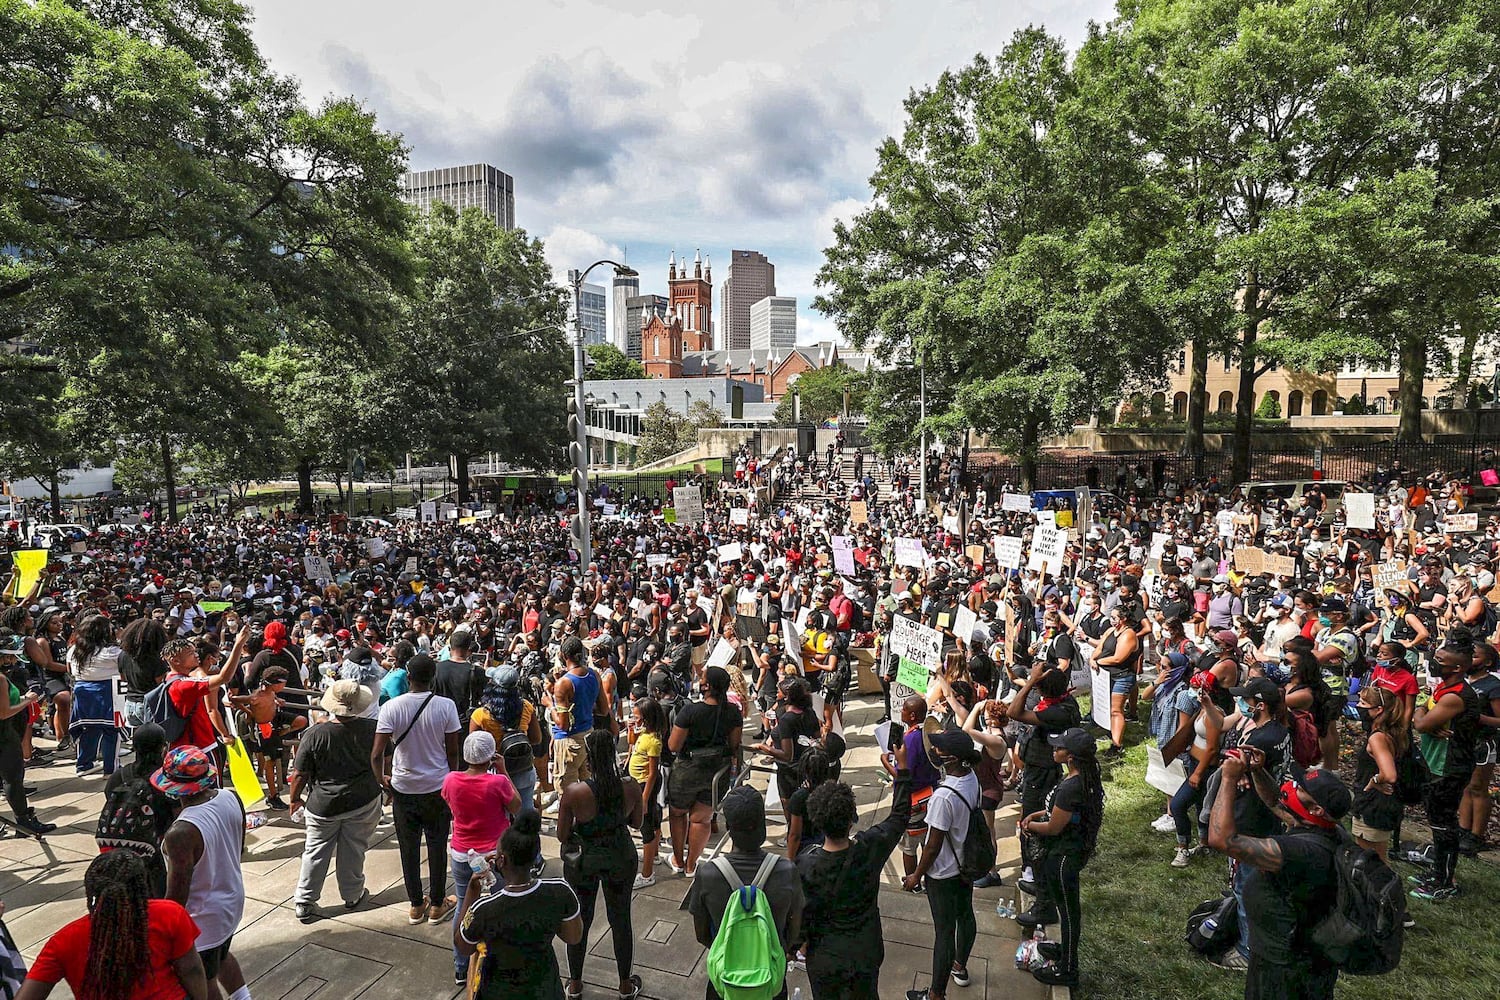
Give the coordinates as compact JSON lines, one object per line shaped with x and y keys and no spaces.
{"x":746,"y":960}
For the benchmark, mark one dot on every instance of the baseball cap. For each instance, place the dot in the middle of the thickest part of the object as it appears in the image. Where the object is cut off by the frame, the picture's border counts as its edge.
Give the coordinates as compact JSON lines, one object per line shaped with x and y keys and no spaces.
{"x":1335,"y":605}
{"x":1226,"y":638}
{"x":955,"y":743}
{"x":1327,"y":790}
{"x":1075,"y":741}
{"x":1260,"y":688}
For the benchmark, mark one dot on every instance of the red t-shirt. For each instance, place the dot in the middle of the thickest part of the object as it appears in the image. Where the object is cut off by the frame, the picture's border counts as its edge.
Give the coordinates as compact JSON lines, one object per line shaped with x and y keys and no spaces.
{"x":1398,"y":682}
{"x":477,"y":802}
{"x":190,"y":696}
{"x":170,"y":934}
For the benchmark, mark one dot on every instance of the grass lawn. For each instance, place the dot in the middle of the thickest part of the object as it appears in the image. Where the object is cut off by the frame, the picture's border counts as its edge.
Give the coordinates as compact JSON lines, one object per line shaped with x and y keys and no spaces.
{"x":1135,"y":909}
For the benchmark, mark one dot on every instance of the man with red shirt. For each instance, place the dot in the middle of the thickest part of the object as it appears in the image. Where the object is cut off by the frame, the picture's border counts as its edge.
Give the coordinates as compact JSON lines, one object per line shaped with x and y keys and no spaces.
{"x":189,"y":695}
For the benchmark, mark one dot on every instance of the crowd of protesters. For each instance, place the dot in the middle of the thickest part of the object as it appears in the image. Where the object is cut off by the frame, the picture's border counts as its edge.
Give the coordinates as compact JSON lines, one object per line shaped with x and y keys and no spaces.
{"x":480,"y":680}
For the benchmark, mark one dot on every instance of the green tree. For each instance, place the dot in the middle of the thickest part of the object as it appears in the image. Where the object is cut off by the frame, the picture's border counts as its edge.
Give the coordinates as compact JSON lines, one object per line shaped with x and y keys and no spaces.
{"x":483,"y":327}
{"x":1269,"y":408}
{"x":662,"y":433}
{"x":820,"y":394}
{"x":612,"y":363}
{"x":1004,"y":246}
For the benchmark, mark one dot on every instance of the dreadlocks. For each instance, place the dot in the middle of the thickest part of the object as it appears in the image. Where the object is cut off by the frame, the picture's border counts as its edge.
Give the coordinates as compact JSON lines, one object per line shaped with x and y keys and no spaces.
{"x":1091,"y":816}
{"x":117,"y":892}
{"x":609,"y":793}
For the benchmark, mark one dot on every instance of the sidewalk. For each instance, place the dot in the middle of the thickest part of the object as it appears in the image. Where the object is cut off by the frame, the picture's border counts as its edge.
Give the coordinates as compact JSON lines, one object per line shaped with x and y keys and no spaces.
{"x":374,"y":954}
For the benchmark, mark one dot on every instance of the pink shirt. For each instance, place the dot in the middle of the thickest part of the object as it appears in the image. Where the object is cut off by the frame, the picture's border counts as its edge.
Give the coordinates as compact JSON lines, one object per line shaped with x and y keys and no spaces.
{"x":477,"y":802}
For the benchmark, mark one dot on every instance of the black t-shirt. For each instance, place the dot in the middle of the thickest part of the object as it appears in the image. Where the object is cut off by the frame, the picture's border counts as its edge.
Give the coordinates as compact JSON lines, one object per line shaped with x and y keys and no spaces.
{"x":1251,"y":816}
{"x":1054,"y":719}
{"x":1060,"y":647}
{"x":1067,"y":794}
{"x":796,"y":805}
{"x":707,"y":725}
{"x":334,"y":760}
{"x":696,"y":619}
{"x":1282,"y":906}
{"x":803,"y":729}
{"x":1463,"y":745}
{"x":517,"y":927}
{"x":461,"y":683}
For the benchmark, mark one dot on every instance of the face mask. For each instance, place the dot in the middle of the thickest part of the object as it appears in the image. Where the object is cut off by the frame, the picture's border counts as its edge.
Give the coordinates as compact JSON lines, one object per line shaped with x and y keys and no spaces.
{"x":1293,"y":803}
{"x":1244,"y":707}
{"x":1385,"y":664}
{"x":1325,"y":621}
{"x":1366,"y":715}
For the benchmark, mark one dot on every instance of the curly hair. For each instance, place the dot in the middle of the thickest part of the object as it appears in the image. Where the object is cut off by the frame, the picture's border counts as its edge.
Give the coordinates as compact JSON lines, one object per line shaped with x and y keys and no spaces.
{"x":832,"y":809}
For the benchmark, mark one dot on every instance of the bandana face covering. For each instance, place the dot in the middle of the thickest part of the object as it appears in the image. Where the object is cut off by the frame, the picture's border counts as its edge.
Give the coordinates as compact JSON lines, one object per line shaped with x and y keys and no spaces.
{"x":1293,"y":802}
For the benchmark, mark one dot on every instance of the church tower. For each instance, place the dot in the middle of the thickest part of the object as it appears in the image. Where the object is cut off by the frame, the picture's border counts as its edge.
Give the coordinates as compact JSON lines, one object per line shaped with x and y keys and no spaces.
{"x":691,"y":296}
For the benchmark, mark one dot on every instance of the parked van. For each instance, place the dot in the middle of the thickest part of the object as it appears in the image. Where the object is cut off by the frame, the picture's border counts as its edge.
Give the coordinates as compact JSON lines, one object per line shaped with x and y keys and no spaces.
{"x":1292,"y":490}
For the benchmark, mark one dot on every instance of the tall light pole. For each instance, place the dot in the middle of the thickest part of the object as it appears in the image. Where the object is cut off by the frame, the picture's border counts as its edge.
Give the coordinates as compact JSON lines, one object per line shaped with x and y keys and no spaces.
{"x":578,"y":411}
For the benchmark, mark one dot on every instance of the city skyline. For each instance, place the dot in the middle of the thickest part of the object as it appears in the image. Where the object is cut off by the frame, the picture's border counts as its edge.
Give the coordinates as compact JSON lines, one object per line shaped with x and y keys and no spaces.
{"x":791,"y":100}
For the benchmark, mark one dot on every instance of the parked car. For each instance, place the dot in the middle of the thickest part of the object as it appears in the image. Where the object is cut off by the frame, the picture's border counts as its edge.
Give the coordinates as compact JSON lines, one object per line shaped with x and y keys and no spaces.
{"x":1291,"y":490}
{"x":58,"y":536}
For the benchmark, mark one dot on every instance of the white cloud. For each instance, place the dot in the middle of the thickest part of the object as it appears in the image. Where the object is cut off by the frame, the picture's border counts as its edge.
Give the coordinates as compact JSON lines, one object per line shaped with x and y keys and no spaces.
{"x":566,"y":247}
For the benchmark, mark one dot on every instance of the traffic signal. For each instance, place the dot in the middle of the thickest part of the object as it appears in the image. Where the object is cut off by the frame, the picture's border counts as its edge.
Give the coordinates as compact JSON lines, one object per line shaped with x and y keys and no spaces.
{"x":575,"y":449}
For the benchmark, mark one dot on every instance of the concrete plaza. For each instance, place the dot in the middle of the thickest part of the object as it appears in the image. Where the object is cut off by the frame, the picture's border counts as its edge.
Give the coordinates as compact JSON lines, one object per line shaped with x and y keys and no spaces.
{"x":374,"y":954}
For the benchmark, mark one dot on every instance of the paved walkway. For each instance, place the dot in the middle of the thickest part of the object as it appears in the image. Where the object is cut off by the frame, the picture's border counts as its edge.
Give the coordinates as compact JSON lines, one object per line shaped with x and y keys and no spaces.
{"x":374,"y":954}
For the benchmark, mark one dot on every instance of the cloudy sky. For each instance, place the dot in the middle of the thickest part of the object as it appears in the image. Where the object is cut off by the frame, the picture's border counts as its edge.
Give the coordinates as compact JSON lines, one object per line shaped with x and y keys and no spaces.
{"x":636,"y":127}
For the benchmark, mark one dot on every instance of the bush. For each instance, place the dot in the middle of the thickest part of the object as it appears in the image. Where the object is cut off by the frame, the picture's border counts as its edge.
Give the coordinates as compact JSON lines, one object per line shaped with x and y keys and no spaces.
{"x":1269,"y":408}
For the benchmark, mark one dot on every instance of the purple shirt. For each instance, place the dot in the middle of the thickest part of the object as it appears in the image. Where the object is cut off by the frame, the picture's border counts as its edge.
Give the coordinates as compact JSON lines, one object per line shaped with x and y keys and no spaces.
{"x":923,"y":774}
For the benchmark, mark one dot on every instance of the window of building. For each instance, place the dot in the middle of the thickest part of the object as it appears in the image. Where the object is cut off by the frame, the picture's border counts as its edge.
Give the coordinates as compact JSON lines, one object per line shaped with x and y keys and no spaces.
{"x":1226,"y":402}
{"x":1294,"y":403}
{"x":1320,"y":403}
{"x":1179,"y":406}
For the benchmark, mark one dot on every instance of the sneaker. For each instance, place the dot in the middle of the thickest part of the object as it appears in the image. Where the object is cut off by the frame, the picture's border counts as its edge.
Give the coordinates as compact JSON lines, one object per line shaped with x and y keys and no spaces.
{"x":417,"y":914}
{"x":307,"y":912}
{"x":1182,"y":857}
{"x":1232,"y":961}
{"x":1051,"y":975}
{"x":1036,"y":916}
{"x":989,"y":881}
{"x":1435,"y":893}
{"x":63,"y":746}
{"x":1164,"y":824}
{"x":1027,"y":886}
{"x":80,"y":772}
{"x":34,"y":826}
{"x":959,"y":976}
{"x":1421,"y":856}
{"x":916,"y":995}
{"x":674,"y":864}
{"x":1407,"y":922}
{"x":460,"y":978}
{"x":272,"y":802}
{"x":439,"y":912}
{"x":644,"y":881}
{"x":363,"y":897}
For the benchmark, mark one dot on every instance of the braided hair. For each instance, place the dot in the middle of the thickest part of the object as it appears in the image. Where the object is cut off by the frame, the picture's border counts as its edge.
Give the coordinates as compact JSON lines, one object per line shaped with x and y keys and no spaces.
{"x":1091,"y":816}
{"x":117,"y":890}
{"x":609,"y":792}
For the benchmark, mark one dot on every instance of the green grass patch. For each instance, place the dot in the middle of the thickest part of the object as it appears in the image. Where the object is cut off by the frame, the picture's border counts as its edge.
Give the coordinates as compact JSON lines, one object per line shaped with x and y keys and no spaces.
{"x":1135,"y":909}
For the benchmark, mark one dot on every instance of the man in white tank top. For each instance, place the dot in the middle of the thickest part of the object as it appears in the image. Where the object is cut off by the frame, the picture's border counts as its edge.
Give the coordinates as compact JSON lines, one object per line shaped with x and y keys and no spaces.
{"x":202,"y":848}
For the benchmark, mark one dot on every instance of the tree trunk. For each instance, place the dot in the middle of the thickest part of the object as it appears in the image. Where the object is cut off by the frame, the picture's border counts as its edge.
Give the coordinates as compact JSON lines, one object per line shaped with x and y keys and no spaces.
{"x":1192,"y":440}
{"x":1412,"y":366}
{"x":1244,"y":410}
{"x":1029,"y":438}
{"x":54,"y":493}
{"x":305,"y":502}
{"x":1463,"y":389}
{"x":461,"y":475}
{"x":169,"y":476}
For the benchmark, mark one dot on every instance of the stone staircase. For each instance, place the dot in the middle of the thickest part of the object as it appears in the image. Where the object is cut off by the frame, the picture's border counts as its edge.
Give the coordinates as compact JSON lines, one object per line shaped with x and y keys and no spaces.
{"x":807,"y":488}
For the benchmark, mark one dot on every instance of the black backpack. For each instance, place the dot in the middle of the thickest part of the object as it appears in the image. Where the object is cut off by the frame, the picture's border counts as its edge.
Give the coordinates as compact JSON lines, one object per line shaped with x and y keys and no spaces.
{"x":516,"y":751}
{"x":129,"y":820}
{"x":1213,"y":926}
{"x":977,"y":859}
{"x":1485,"y":627}
{"x":1364,"y":931}
{"x":161,"y":710}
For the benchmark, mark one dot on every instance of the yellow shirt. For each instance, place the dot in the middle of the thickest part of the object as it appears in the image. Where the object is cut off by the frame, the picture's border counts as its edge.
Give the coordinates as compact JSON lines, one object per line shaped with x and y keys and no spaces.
{"x":647,"y":746}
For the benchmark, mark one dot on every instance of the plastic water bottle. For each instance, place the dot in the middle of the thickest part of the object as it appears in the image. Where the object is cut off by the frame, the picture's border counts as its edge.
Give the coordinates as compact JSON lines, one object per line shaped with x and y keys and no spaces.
{"x":1004,"y":909}
{"x":481,"y":867}
{"x":1208,"y":927}
{"x":797,"y":993}
{"x":299,"y":815}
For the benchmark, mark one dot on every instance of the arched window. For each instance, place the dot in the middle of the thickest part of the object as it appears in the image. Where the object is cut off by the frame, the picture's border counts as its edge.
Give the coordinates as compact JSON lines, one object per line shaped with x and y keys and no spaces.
{"x":1381,"y":404}
{"x":1158,"y":403}
{"x":1294,"y":403}
{"x":1179,"y":406}
{"x":1226,"y":402}
{"x":1320,"y":403}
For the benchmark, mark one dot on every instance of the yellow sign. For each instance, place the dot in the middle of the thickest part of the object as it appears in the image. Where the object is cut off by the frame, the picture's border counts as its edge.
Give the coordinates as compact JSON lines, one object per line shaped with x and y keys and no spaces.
{"x":29,"y":564}
{"x":242,"y":777}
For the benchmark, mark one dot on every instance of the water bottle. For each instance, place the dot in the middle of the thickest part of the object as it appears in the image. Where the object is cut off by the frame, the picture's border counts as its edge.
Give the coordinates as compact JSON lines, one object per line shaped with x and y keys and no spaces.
{"x":299,"y":815}
{"x":1208,"y":927}
{"x":481,"y":867}
{"x":797,"y":993}
{"x":1004,"y":909}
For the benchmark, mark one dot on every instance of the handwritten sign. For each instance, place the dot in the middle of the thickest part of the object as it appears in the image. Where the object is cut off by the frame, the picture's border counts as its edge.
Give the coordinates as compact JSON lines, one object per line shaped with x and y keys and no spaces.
{"x":1389,"y":575}
{"x":843,"y":554}
{"x":655,"y":559}
{"x":1019,"y":502}
{"x":964,"y":621}
{"x":1250,"y":560}
{"x":1359,"y":510}
{"x":1454,"y":523}
{"x":1049,"y":545}
{"x":915,"y":641}
{"x":859,"y":512}
{"x":1007,"y":551}
{"x":912,"y":674}
{"x":732,"y":552}
{"x":316,"y":568}
{"x":688,"y":502}
{"x":909,"y":552}
{"x":740,"y":516}
{"x":975,"y":554}
{"x":1280,"y":565}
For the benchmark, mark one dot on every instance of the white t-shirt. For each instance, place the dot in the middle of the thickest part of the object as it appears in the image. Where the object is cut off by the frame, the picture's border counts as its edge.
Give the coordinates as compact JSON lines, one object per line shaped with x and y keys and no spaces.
{"x":421,"y":761}
{"x":946,"y":812}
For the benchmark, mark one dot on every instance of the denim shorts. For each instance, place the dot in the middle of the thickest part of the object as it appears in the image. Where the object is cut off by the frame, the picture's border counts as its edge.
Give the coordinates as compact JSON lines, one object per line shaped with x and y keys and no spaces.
{"x":1122,"y":685}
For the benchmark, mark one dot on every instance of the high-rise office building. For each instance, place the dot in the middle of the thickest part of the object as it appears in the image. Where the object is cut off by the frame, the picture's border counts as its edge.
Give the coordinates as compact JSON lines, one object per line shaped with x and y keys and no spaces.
{"x":477,"y":185}
{"x":624,"y":289}
{"x":751,"y":278}
{"x":773,"y":324}
{"x":639,"y":309}
{"x":591,"y":300}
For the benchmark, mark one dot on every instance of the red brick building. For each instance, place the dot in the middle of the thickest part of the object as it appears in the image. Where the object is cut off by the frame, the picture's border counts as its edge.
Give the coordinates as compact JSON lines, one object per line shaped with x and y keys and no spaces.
{"x":692,"y":303}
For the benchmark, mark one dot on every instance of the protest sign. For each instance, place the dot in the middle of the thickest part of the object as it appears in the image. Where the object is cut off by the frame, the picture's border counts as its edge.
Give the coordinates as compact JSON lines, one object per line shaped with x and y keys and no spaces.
{"x":730,"y":552}
{"x":950,"y":523}
{"x":429,"y":511}
{"x":603,"y":611}
{"x":1460,"y":522}
{"x":669,"y":515}
{"x":859,"y":512}
{"x":912,"y":674}
{"x":909,"y":552}
{"x":375,"y":548}
{"x":964,"y":621}
{"x":722,"y":653}
{"x":1165,"y":778}
{"x":656,"y":559}
{"x":739,"y":515}
{"x":1049,"y":546}
{"x":1225,"y":520}
{"x":843,"y":554}
{"x":411,"y":565}
{"x":1280,"y":565}
{"x":1359,"y":510}
{"x":916,"y":641}
{"x":316,"y":568}
{"x":214,"y":607}
{"x":406,"y":513}
{"x":1019,"y":502}
{"x":1389,"y":575}
{"x":975,"y":554}
{"x":706,"y":605}
{"x":1250,"y":560}
{"x":688,"y":502}
{"x":1047,"y":517}
{"x":1007,"y":551}
{"x":1099,"y":709}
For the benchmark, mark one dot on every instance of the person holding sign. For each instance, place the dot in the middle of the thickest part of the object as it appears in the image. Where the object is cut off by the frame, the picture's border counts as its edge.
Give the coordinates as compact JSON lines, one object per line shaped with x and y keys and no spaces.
{"x":1055,"y":711}
{"x":1118,"y":651}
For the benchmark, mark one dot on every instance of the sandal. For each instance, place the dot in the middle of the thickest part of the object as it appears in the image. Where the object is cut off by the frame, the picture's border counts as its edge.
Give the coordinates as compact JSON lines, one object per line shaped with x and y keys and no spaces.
{"x":635,"y":982}
{"x":570,"y":994}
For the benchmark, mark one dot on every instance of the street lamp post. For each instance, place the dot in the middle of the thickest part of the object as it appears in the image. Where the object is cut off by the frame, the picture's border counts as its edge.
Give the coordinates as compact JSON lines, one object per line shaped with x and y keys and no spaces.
{"x":577,"y":411}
